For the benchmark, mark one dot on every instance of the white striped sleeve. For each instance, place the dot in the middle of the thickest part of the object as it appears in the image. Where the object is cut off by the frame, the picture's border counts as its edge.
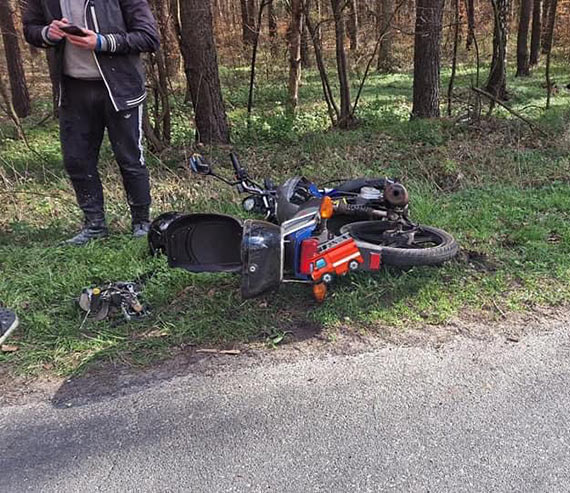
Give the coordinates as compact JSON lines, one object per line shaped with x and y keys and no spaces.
{"x":46,"y":37}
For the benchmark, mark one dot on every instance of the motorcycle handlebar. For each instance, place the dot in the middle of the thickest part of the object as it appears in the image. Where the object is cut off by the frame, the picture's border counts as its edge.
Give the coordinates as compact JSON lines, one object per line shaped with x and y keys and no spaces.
{"x":237,"y":166}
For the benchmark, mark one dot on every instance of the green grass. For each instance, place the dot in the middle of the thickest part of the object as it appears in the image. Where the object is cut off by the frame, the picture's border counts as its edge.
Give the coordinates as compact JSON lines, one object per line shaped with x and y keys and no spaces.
{"x":500,"y":189}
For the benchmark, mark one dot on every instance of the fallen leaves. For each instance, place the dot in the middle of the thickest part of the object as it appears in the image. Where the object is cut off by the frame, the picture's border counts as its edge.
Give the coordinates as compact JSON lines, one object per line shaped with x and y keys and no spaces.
{"x":6,"y":348}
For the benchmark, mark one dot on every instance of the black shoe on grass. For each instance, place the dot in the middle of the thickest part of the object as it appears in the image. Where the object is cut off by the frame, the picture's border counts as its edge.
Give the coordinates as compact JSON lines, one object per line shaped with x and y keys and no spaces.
{"x":141,"y":229}
{"x":88,"y":233}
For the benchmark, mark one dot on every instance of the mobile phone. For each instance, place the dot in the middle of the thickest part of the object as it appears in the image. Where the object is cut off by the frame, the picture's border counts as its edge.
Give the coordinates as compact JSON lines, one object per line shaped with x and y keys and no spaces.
{"x":74,"y":30}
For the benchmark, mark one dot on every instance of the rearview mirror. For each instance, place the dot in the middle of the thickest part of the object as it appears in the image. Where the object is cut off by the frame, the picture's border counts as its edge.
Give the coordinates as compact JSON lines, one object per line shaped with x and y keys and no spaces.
{"x":199,"y":165}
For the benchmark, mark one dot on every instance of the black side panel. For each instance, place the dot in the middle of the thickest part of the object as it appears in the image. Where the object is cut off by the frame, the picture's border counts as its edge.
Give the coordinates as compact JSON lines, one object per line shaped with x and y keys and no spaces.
{"x":262,"y":254}
{"x":205,"y":243}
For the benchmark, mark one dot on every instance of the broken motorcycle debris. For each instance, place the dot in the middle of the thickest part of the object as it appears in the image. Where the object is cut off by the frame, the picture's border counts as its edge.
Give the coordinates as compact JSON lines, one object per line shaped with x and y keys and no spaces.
{"x":105,"y":301}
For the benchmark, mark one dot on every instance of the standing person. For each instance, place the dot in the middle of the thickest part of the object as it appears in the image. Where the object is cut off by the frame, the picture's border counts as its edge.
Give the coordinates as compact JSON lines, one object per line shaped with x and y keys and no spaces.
{"x":102,"y":86}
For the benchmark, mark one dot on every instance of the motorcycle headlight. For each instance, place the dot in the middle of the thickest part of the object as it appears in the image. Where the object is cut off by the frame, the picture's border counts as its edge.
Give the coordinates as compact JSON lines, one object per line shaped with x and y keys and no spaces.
{"x":249,"y":204}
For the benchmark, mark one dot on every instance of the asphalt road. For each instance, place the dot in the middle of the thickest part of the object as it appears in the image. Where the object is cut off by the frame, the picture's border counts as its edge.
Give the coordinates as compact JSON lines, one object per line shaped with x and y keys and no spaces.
{"x":471,"y":416}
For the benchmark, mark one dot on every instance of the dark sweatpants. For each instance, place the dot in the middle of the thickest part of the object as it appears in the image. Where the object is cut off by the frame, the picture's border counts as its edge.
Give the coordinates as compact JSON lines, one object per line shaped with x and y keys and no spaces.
{"x":86,"y":110}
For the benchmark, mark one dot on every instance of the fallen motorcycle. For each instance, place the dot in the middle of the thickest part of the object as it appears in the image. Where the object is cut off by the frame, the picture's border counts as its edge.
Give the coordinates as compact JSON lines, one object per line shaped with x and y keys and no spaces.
{"x":310,"y":233}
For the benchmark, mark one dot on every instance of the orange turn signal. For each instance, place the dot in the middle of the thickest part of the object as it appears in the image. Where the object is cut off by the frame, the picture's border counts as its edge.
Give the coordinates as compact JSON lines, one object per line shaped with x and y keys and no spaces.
{"x":327,"y":208}
{"x":320,"y":292}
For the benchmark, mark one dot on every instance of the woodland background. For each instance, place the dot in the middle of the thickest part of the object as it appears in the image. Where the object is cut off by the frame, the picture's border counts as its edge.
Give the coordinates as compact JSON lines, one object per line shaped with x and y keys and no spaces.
{"x":345,"y":40}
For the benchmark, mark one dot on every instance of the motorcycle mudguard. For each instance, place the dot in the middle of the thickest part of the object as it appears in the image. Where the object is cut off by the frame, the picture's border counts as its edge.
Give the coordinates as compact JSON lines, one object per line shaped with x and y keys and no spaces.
{"x":262,"y":257}
{"x":205,"y":243}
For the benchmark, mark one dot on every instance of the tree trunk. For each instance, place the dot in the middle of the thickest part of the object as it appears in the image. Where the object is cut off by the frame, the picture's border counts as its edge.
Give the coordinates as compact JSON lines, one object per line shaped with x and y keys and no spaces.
{"x":272,"y":20}
{"x":251,"y":21}
{"x":549,"y":22}
{"x":522,"y":39}
{"x":166,"y":19}
{"x":497,"y":81}
{"x":243,"y":10}
{"x":158,"y":135}
{"x":544,"y":31}
{"x":54,"y":78}
{"x":14,"y":64}
{"x":384,"y":12}
{"x":345,"y":118}
{"x":262,"y":6}
{"x":456,"y":21}
{"x":362,"y":7}
{"x":535,"y":36}
{"x":305,"y":42}
{"x":8,"y":108}
{"x":427,"y":55}
{"x":316,"y":40}
{"x":352,"y":25}
{"x":201,"y":67}
{"x":294,"y":34}
{"x":548,"y":43}
{"x":470,"y":8}
{"x":248,"y":21}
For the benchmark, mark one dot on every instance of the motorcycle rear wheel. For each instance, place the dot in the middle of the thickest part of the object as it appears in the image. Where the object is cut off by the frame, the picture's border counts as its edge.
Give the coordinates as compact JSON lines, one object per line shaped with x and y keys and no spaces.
{"x":430,"y":246}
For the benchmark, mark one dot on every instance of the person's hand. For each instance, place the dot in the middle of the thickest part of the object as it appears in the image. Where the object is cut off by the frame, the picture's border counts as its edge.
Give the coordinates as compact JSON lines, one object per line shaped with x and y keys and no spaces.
{"x":88,"y":42}
{"x":54,"y":32}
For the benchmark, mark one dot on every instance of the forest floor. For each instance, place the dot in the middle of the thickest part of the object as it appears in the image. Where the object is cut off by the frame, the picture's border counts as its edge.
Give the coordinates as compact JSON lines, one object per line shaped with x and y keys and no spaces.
{"x":500,"y":187}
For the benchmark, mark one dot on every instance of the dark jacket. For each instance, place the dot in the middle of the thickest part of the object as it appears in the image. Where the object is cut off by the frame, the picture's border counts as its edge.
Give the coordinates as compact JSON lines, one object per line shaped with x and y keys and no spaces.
{"x":128,"y":28}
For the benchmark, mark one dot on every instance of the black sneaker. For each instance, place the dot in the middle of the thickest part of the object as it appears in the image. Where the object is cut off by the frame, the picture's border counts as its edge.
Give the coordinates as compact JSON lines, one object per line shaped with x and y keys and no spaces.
{"x":8,"y":324}
{"x":141,"y":229}
{"x":88,"y":233}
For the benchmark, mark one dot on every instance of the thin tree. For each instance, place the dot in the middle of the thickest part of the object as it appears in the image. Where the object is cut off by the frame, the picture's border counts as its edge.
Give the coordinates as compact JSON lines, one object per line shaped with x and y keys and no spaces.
{"x":8,"y":108}
{"x":544,"y":30}
{"x":305,"y":43}
{"x":166,"y":19}
{"x":257,"y":31}
{"x":247,"y":21}
{"x":346,"y":118}
{"x":454,"y":58}
{"x":158,"y":132}
{"x":316,"y":39}
{"x":294,"y":34}
{"x":352,"y":24}
{"x":427,"y":58}
{"x":251,"y":20}
{"x":51,"y":62}
{"x":497,"y":81}
{"x":335,"y":114}
{"x":522,"y":39}
{"x":272,"y":28}
{"x":535,"y":35}
{"x":272,"y":20}
{"x":17,"y":76}
{"x":384,"y":15}
{"x":470,"y":9}
{"x":201,"y":68}
{"x":548,"y":42}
